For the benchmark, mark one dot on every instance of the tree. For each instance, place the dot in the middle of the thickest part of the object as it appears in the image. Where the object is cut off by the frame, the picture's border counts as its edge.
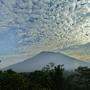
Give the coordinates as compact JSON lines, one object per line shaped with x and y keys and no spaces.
{"x":10,"y":80}
{"x":80,"y":79}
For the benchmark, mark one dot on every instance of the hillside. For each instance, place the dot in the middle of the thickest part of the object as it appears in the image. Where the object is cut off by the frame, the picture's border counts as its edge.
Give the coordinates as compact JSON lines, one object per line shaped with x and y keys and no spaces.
{"x":44,"y":58}
{"x":81,"y":52}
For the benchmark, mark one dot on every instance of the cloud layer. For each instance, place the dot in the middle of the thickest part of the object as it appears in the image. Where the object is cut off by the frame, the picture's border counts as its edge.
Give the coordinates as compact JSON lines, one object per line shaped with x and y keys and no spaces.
{"x":59,"y":22}
{"x":32,"y":26}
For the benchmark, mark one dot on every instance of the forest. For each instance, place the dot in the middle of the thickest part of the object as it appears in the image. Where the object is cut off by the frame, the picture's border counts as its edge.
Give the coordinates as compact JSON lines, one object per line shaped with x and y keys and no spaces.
{"x":49,"y":78}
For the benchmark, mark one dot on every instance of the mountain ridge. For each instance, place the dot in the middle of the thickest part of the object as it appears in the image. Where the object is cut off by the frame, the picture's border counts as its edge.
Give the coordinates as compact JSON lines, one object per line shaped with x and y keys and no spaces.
{"x":81,"y":52}
{"x":44,"y":58}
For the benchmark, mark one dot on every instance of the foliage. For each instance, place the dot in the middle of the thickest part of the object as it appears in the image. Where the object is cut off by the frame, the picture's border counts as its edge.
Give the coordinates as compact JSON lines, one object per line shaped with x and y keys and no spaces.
{"x":10,"y":80}
{"x":50,"y":77}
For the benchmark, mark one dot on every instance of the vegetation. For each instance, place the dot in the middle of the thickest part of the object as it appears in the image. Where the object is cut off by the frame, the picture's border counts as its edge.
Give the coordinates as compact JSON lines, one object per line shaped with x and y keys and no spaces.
{"x":49,"y":78}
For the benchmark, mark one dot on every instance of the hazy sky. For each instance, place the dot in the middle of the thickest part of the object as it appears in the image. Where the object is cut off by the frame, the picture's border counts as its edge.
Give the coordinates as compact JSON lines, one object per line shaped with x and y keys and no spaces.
{"x":32,"y":26}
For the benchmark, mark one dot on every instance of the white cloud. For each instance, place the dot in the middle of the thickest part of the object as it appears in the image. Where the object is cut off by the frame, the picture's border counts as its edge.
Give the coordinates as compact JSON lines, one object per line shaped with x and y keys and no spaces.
{"x":46,"y":24}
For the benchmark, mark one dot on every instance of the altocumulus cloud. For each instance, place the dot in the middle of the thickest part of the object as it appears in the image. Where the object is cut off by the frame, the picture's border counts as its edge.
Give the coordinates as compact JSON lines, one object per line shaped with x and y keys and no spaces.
{"x":46,"y":24}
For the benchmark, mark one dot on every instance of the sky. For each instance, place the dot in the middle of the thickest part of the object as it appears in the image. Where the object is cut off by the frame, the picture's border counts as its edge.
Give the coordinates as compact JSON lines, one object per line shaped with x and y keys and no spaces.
{"x":8,"y":41}
{"x":28,"y":27}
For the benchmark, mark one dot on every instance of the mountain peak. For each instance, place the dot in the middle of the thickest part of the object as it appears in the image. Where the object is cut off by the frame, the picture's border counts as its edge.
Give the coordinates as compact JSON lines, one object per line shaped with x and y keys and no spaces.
{"x":44,"y":58}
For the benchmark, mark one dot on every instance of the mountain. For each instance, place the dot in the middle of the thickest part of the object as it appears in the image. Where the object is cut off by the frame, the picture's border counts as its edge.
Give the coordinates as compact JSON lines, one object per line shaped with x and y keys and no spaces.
{"x":44,"y":58}
{"x":81,"y":52}
{"x":31,"y":26}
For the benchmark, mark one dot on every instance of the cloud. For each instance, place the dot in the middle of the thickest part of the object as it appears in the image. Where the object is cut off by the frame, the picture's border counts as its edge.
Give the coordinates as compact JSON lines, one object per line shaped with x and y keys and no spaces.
{"x":61,"y":22}
{"x":46,"y":24}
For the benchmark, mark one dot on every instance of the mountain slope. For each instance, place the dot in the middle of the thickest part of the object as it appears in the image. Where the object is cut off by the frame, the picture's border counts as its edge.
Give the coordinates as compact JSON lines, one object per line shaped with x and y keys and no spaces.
{"x":45,"y":58}
{"x":81,"y":52}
